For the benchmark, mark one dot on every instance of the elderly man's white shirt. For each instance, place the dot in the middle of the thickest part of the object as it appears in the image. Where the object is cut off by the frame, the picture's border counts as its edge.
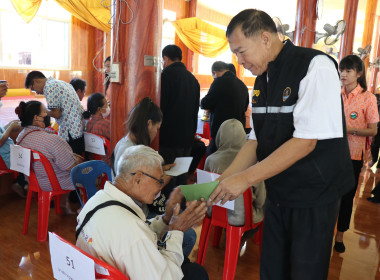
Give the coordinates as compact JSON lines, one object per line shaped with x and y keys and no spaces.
{"x":118,"y":237}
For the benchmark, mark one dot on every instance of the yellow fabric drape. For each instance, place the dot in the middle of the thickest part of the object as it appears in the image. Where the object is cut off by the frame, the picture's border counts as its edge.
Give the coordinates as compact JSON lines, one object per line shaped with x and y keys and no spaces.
{"x":201,"y":37}
{"x":89,"y":11}
{"x":27,"y":9}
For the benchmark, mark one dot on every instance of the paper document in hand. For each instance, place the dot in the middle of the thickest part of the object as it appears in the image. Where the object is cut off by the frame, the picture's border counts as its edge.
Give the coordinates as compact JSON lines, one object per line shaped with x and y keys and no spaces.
{"x":181,"y":166}
{"x":198,"y":191}
{"x":205,"y":177}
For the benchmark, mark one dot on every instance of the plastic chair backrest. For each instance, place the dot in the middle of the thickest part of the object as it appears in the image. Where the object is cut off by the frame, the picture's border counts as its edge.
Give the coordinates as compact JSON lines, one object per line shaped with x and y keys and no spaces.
{"x":87,"y":173}
{"x":219,"y":214}
{"x":113,"y":272}
{"x":39,"y":157}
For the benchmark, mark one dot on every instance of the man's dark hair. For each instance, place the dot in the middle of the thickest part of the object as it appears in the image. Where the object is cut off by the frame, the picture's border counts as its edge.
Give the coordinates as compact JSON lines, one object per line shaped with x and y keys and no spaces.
{"x":356,"y":63}
{"x":232,"y":68}
{"x":251,"y":22}
{"x":173,"y":52}
{"x":78,"y":84}
{"x":219,"y":66}
{"x":31,"y":76}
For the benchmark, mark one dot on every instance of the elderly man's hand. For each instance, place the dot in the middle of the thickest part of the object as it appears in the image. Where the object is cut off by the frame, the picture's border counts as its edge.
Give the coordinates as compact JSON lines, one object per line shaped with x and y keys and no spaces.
{"x":193,"y":215}
{"x":229,"y":189}
{"x":175,"y":198}
{"x":3,"y":89}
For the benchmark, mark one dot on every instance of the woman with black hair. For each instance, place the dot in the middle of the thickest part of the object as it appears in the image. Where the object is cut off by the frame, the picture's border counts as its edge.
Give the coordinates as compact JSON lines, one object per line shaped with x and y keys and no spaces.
{"x":98,"y":110}
{"x":360,"y":109}
{"x":142,"y":124}
{"x":34,"y":136}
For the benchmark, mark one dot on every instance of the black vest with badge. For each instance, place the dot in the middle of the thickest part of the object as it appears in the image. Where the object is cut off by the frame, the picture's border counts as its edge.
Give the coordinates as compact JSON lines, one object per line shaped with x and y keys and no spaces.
{"x":325,"y":174}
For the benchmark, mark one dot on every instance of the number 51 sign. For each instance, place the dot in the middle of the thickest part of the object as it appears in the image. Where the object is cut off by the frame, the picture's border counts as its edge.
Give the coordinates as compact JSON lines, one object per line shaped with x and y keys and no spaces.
{"x":67,"y":262}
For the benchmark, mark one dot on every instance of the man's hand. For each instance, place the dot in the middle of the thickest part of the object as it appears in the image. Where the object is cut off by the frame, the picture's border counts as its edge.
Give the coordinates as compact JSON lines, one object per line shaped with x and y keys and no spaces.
{"x":193,"y":215}
{"x":3,"y":89}
{"x":229,"y":189}
{"x":167,"y":167}
{"x":175,"y":198}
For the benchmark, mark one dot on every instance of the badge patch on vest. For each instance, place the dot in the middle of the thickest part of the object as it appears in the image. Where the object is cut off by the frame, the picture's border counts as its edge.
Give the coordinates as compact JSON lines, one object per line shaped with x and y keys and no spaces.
{"x":256,"y":93}
{"x":353,"y":115}
{"x":286,"y":93}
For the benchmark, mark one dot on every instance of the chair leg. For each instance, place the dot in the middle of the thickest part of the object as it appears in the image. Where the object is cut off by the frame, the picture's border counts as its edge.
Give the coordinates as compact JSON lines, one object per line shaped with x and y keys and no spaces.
{"x":27,"y":211}
{"x":233,"y":238}
{"x":44,"y":199}
{"x":203,"y":240}
{"x":57,"y":204}
{"x":216,"y":236}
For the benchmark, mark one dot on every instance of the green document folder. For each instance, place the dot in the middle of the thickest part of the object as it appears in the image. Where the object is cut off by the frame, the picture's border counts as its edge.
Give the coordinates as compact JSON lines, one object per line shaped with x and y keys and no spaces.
{"x":197,"y":191}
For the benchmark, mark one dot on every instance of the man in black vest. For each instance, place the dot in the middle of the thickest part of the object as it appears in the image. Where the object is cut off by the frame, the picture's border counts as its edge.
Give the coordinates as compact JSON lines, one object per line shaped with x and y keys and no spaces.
{"x":298,"y":145}
{"x":226,"y":99}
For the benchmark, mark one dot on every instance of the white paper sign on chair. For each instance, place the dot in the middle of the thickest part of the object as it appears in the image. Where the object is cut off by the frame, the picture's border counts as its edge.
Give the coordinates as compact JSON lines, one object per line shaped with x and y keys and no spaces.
{"x":94,"y":144}
{"x":69,"y":263}
{"x":20,"y":159}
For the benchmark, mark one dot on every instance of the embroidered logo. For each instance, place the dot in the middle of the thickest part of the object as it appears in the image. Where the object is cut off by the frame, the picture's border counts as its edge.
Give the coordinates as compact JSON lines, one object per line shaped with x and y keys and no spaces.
{"x":256,"y":93}
{"x":286,"y":94}
{"x":353,"y":115}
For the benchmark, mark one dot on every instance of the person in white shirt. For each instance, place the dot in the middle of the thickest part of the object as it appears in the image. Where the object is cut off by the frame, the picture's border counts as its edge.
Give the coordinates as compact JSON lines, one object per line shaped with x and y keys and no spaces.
{"x":120,"y":235}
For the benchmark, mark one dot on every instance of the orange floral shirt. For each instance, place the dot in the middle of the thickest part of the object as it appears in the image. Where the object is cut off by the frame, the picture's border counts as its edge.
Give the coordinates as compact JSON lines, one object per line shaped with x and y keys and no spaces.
{"x":360,"y":109}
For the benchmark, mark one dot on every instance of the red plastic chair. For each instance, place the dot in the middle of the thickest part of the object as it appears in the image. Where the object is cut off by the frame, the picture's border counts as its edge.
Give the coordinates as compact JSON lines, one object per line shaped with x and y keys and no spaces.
{"x":107,"y":146}
{"x":233,"y":235}
{"x":5,"y":170}
{"x":44,"y":197}
{"x":113,"y":272}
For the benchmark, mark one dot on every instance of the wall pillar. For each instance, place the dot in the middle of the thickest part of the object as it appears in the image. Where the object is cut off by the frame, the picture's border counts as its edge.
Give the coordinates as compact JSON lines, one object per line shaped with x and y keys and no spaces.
{"x":136,"y":41}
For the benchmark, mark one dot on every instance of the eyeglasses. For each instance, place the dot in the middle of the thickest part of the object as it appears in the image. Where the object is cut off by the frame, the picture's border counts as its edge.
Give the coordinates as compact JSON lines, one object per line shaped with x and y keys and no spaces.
{"x":160,"y":181}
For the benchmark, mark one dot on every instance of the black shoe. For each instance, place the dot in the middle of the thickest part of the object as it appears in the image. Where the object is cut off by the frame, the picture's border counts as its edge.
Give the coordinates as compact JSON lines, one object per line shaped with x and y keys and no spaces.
{"x":373,"y":199}
{"x":339,"y":247}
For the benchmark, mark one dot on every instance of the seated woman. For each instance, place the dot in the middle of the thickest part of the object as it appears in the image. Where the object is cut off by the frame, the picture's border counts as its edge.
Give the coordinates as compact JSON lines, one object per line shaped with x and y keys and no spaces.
{"x":34,"y":136}
{"x":229,"y":140}
{"x":124,"y":239}
{"x":98,"y":110}
{"x":143,"y":123}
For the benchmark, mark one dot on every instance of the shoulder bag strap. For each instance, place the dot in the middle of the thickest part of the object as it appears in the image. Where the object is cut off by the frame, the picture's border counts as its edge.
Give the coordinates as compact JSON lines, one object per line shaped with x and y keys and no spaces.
{"x":100,"y":206}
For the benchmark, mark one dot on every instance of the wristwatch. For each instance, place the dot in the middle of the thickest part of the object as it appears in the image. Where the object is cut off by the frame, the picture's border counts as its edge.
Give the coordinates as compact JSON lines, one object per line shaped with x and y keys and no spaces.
{"x":355,"y":132}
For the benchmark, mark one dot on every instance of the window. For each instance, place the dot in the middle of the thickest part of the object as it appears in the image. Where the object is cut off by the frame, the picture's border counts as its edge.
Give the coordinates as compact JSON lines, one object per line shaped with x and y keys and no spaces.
{"x":42,"y":43}
{"x":168,"y":30}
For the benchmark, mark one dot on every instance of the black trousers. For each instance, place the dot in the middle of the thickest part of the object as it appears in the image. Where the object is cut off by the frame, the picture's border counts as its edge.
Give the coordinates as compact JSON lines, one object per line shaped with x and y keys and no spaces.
{"x":77,"y":145}
{"x":193,"y":271}
{"x":375,"y":146}
{"x":297,"y":242}
{"x":347,"y":201}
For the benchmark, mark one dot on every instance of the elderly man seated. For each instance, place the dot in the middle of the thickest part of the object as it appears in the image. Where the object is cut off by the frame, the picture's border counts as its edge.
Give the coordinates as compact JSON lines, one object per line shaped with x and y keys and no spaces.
{"x":120,"y":235}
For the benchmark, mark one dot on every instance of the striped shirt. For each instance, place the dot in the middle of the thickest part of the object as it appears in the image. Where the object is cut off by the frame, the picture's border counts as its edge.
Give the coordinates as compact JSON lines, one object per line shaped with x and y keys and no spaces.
{"x":55,"y":149}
